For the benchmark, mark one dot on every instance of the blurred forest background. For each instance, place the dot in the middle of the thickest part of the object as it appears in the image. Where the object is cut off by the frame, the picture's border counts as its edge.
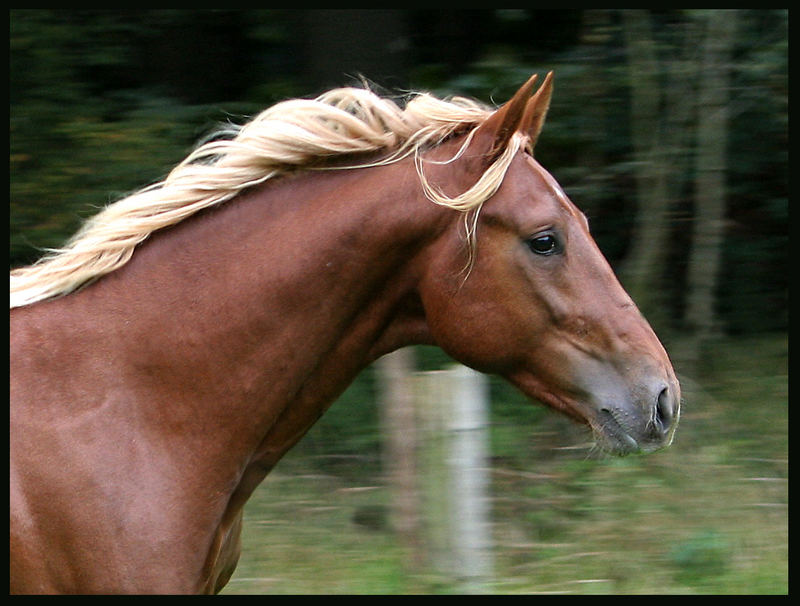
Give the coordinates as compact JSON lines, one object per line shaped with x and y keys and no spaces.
{"x":669,"y":128}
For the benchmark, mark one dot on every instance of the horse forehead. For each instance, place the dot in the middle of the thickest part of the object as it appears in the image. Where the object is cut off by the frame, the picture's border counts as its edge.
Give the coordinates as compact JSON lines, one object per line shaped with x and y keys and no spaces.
{"x":534,"y":191}
{"x":552,"y":186}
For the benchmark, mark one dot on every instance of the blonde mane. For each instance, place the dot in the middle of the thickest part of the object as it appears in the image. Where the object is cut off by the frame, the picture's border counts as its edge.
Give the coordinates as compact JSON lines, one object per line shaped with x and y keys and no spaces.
{"x":294,"y":134}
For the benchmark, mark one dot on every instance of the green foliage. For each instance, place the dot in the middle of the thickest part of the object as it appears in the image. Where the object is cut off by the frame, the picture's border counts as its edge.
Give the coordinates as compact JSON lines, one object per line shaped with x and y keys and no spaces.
{"x":703,"y":555}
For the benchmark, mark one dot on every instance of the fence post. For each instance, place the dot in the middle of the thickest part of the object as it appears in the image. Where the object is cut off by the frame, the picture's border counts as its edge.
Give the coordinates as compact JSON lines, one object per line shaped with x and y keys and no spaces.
{"x":399,"y":431}
{"x":453,"y":406}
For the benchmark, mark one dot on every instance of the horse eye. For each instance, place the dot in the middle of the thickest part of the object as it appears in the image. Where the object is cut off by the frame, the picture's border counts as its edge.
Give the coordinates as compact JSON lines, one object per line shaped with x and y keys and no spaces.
{"x":545,"y":244}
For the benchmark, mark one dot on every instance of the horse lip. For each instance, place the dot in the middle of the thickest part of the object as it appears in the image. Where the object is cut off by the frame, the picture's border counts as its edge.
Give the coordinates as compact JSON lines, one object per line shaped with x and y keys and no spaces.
{"x":617,"y":436}
{"x":614,"y":436}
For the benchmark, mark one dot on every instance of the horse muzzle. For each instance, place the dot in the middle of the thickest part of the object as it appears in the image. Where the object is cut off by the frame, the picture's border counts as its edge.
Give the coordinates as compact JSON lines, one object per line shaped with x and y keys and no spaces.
{"x":644,"y":422}
{"x":631,"y":406}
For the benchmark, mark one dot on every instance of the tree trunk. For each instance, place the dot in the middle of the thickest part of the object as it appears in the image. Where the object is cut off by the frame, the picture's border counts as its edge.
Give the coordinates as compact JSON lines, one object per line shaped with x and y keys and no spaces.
{"x":709,"y":196}
{"x":660,"y":119}
{"x":643,"y":262}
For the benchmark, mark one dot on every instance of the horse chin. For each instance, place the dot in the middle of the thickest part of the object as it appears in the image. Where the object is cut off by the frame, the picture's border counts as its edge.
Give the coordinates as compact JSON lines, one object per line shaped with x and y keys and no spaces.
{"x":615,"y":441}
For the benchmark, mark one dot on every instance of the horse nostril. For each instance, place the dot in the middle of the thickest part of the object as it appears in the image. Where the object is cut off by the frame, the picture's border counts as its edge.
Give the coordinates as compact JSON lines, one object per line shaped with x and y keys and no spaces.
{"x":663,"y":411}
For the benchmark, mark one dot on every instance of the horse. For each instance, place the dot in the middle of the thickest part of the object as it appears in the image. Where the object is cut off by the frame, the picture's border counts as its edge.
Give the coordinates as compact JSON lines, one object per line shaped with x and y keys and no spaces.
{"x":166,"y":358}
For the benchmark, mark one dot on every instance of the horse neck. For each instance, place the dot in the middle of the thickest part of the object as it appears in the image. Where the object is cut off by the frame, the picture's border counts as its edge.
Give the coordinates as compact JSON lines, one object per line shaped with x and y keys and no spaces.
{"x":275,"y":301}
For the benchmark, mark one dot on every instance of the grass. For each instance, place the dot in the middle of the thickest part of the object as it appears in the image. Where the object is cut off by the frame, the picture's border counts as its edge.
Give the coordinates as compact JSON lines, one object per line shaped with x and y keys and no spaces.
{"x":707,"y":516}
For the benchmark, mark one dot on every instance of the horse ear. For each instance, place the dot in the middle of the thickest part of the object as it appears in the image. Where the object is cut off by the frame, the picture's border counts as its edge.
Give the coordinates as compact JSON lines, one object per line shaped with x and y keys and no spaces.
{"x":493,"y":135}
{"x":536,"y":111}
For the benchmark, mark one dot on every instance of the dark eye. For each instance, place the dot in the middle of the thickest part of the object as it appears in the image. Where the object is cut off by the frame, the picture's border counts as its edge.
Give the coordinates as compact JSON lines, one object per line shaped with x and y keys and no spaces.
{"x":544,"y":244}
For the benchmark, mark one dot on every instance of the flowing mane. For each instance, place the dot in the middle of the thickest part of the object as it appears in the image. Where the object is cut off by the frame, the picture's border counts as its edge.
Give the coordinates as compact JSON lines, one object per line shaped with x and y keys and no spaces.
{"x":298,"y":134}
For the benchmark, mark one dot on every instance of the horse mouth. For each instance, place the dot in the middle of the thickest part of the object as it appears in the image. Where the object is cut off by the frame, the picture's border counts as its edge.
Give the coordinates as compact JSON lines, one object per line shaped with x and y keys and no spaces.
{"x":612,"y":436}
{"x":618,"y":428}
{"x":615,"y":434}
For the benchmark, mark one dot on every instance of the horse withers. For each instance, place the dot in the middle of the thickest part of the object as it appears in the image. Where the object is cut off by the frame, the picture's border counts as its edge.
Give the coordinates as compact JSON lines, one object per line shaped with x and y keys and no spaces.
{"x":168,"y":356}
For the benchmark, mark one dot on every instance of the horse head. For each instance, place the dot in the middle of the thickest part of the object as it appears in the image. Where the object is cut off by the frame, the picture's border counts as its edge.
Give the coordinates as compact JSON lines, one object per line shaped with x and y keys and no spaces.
{"x":538,"y":303}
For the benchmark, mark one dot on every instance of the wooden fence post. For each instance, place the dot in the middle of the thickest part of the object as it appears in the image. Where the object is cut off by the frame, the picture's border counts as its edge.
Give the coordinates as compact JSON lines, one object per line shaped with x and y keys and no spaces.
{"x":453,"y":407}
{"x":399,"y":431}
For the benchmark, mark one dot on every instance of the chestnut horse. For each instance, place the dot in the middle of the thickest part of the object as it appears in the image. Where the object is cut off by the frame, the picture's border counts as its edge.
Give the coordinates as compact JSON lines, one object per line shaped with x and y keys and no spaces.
{"x":168,"y":356}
